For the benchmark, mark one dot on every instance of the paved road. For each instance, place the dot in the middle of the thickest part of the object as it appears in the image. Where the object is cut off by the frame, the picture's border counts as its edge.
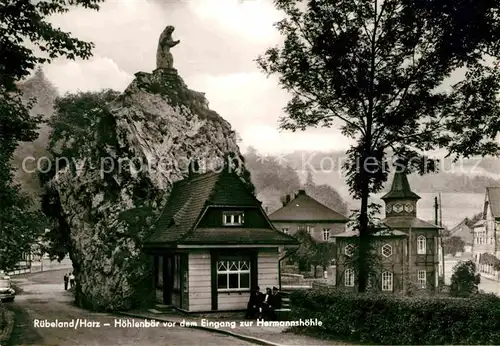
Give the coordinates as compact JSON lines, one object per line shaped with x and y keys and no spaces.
{"x":44,"y":298}
{"x":489,"y":285}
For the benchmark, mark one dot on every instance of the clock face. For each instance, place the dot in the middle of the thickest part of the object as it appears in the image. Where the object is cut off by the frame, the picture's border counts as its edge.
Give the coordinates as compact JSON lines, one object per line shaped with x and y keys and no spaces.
{"x":398,"y":208}
{"x":408,"y":207}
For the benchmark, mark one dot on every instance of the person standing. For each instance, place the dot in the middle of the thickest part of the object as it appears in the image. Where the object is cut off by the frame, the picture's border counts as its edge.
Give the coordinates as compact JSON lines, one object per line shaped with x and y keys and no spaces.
{"x":66,"y":280}
{"x":71,"y":280}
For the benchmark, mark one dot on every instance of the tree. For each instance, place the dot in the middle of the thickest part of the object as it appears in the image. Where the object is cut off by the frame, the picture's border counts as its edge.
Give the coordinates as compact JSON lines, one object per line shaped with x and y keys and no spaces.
{"x":471,"y":222}
{"x":27,"y":39}
{"x":377,"y":67}
{"x":453,"y":244}
{"x":302,"y":256}
{"x":268,"y":173}
{"x":323,"y":254}
{"x":464,"y":280}
{"x":328,"y":196}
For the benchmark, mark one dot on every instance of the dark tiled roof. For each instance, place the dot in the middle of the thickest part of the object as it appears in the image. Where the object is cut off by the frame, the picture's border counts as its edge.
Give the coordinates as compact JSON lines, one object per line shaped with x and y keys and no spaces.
{"x":188,"y":200}
{"x":304,"y":208}
{"x":400,"y":188}
{"x":185,"y":204}
{"x":406,"y":222}
{"x":494,"y":200}
{"x":238,"y":236}
{"x":234,"y":192}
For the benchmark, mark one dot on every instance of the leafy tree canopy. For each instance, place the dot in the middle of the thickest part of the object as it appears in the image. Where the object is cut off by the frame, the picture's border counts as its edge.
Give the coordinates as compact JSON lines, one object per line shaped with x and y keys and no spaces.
{"x":464,"y":280}
{"x":379,"y":69}
{"x":27,"y":39}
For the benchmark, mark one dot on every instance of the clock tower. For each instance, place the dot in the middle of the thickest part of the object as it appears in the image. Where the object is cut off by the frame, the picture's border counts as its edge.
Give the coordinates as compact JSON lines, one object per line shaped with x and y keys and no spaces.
{"x":400,"y":200}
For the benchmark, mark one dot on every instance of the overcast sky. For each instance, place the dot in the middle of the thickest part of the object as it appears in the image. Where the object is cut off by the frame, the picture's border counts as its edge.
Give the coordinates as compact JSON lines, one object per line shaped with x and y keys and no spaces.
{"x":220,"y":40}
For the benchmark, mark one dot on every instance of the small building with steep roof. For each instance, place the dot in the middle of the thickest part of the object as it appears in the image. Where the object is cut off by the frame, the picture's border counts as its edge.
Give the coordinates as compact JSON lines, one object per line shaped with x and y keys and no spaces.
{"x":304,"y":212}
{"x":405,"y":246}
{"x":486,"y":236}
{"x":213,"y":243}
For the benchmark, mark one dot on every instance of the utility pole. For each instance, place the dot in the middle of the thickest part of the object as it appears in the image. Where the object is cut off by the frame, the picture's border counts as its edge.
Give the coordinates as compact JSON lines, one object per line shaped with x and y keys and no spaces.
{"x":436,"y":211}
{"x":442,"y":231}
{"x":439,"y":240}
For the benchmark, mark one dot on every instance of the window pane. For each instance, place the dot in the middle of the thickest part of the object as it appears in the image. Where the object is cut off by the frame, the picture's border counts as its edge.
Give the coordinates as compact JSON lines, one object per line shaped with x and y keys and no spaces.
{"x":222,"y":266}
{"x":233,"y":281}
{"x":244,"y":280}
{"x":222,"y":281}
{"x":244,"y":265}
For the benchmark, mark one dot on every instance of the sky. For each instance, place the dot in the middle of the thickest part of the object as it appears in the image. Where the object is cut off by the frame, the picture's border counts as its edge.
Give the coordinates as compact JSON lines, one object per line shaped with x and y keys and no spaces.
{"x":220,"y":40}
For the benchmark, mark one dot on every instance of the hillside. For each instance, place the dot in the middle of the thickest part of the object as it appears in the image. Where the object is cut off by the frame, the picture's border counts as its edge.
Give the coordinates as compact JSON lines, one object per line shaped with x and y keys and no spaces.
{"x":273,"y":177}
{"x":274,"y":180}
{"x":464,"y":176}
{"x":40,"y":90}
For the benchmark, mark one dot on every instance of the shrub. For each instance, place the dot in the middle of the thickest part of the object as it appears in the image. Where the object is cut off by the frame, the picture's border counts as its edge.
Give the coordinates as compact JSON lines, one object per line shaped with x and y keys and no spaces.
{"x":387,"y":319}
{"x":464,"y":280}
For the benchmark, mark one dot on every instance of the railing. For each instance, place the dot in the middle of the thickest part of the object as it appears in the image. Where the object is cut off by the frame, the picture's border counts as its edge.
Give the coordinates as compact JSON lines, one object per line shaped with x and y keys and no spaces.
{"x":42,"y":266}
{"x":297,"y":281}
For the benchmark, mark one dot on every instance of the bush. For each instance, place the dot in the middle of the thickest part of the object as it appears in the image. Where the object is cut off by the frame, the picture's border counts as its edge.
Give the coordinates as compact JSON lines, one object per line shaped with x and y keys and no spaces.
{"x":387,"y":319}
{"x":464,"y":280}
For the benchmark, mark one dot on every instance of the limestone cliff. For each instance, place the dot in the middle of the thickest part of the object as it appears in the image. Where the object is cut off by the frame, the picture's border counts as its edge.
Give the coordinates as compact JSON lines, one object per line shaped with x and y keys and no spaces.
{"x":112,"y":188}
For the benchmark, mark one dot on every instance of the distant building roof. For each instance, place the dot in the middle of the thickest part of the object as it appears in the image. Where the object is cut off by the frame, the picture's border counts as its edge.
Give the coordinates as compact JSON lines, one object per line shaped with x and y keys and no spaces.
{"x":479,"y":224}
{"x":463,"y":231}
{"x":191,"y":196}
{"x":406,"y":222}
{"x":304,"y":208}
{"x":493,"y":194}
{"x":381,"y":233}
{"x":400,"y":188}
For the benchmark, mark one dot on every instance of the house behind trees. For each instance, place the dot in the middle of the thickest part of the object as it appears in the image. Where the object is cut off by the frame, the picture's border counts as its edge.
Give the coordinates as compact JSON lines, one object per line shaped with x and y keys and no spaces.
{"x":405,"y":247}
{"x":486,"y":241}
{"x":302,"y":212}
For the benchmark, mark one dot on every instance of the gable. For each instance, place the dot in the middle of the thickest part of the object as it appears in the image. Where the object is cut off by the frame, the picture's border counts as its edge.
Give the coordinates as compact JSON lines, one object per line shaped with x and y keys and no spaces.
{"x":304,"y":208}
{"x":230,"y":190}
{"x":186,"y":202}
{"x":191,"y":199}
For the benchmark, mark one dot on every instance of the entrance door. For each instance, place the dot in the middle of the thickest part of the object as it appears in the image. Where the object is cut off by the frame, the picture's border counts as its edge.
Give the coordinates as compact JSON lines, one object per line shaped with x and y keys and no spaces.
{"x":167,"y":279}
{"x":163,"y":278}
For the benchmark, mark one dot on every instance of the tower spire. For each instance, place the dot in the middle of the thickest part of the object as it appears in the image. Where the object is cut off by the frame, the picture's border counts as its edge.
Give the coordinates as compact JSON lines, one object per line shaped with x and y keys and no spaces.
{"x":400,"y":200}
{"x":400,"y":188}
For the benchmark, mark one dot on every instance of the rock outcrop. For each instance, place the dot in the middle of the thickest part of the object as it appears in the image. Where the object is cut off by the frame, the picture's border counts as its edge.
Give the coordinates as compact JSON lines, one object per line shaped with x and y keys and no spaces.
{"x":111,"y":192}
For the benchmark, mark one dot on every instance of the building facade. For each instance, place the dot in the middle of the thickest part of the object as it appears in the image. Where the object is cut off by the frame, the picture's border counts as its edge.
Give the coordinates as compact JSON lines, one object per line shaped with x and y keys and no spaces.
{"x":486,"y":240}
{"x":406,"y":247}
{"x":463,"y":231}
{"x":305,"y":213}
{"x":213,"y":243}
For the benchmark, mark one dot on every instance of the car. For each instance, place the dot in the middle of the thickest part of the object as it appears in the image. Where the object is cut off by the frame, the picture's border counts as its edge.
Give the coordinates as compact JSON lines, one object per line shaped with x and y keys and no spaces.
{"x":7,"y":292}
